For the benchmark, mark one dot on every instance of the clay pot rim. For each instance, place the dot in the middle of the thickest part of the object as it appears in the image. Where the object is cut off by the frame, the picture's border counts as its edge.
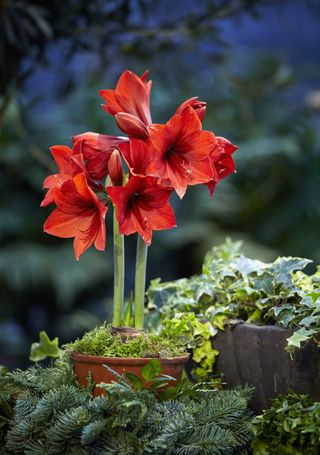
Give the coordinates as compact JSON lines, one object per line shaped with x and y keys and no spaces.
{"x":94,"y":359}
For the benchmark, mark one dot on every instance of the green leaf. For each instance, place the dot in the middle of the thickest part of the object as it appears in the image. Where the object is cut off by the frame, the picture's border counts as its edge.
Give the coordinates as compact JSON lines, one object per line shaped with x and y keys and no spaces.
{"x":159,"y":384}
{"x":151,"y":370}
{"x":45,"y":348}
{"x":134,"y":380}
{"x":299,"y":337}
{"x":161,"y":381}
{"x":247,"y":266}
{"x":310,"y":320}
{"x":279,"y":309}
{"x":255,"y":316}
{"x":283,"y":267}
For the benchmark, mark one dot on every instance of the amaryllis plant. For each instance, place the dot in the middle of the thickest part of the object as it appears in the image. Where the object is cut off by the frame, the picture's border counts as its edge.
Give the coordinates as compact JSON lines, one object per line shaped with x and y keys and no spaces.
{"x":135,"y":175}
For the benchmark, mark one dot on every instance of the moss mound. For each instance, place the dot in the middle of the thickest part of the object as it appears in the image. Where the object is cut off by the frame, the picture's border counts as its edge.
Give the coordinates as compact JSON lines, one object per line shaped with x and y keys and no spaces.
{"x":101,"y":342}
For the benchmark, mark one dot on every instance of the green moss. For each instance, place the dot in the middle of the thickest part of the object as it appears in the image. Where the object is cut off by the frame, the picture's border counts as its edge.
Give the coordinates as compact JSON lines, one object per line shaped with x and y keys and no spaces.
{"x":101,"y":342}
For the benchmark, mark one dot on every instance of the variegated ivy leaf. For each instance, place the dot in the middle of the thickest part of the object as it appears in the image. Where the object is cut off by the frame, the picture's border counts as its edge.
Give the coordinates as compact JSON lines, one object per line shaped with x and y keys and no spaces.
{"x":299,"y":337}
{"x":284,"y":266}
{"x":310,"y":320}
{"x":246,"y":266}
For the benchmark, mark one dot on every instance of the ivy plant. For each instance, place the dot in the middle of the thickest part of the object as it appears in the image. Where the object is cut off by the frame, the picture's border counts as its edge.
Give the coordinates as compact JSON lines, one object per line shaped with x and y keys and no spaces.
{"x":231,"y":289}
{"x":291,"y":426}
{"x":196,"y":336}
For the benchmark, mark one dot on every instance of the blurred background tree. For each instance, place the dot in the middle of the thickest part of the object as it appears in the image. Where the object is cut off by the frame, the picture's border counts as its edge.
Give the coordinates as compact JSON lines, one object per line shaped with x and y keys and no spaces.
{"x":244,"y":57}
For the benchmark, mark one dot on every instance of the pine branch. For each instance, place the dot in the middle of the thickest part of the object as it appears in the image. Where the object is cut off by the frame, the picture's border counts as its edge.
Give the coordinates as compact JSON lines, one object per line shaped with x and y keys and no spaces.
{"x":44,"y":417}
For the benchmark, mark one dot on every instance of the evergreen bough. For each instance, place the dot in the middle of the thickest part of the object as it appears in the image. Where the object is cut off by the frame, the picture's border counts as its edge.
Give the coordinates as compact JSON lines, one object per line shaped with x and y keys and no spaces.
{"x":43,"y":411}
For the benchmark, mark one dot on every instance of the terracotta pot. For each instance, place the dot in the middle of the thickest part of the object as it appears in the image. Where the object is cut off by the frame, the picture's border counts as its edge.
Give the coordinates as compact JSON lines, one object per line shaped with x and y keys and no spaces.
{"x":256,"y":355}
{"x":83,"y":364}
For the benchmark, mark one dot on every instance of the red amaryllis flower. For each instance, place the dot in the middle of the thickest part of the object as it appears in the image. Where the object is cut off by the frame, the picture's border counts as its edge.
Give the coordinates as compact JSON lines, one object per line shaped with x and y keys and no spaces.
{"x":181,"y":151}
{"x":130,"y":103}
{"x":142,"y":206}
{"x":68,"y":164}
{"x":79,"y":214}
{"x":222,"y":161}
{"x":199,"y":106}
{"x":96,"y":149}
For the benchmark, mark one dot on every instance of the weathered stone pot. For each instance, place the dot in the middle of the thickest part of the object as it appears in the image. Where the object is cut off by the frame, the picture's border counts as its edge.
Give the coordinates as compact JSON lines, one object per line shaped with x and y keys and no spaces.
{"x":89,"y":364}
{"x":256,"y":355}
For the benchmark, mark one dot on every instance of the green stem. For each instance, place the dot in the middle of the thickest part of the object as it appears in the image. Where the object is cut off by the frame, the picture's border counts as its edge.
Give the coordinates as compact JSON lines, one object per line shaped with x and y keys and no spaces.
{"x":140,"y":282}
{"x":118,"y":260}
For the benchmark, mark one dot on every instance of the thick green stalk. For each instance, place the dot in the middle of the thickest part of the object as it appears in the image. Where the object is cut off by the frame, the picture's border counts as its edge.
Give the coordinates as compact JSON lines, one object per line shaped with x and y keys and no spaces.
{"x":140,"y":282}
{"x":118,"y":260}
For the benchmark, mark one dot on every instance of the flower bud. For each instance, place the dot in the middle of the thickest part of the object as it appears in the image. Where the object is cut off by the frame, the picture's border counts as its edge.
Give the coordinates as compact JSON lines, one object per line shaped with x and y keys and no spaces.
{"x":131,"y":125}
{"x":115,"y":168}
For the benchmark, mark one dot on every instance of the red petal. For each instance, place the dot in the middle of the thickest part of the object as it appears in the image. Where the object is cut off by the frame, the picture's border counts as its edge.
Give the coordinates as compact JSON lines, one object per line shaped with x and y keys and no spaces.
{"x":144,"y":76}
{"x":66,"y":225}
{"x":227,"y":145}
{"x":159,"y":137}
{"x":61,"y":154}
{"x":203,"y":145}
{"x":161,"y":219}
{"x":188,"y":121}
{"x":154,"y":197}
{"x":177,"y":173}
{"x":133,"y":95}
{"x":198,"y":106}
{"x":82,"y":188}
{"x":100,"y":240}
{"x":211,"y":186}
{"x":112,"y":104}
{"x":55,"y":180}
{"x":188,"y":102}
{"x":48,"y":199}
{"x":201,"y":172}
{"x":93,"y":233}
{"x":137,"y":156}
{"x":225,"y":166}
{"x":93,"y":142}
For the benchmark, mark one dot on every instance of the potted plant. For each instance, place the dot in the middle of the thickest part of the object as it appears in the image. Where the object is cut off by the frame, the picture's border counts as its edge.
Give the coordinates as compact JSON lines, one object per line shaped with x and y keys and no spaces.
{"x":253,"y":322}
{"x":135,"y":176}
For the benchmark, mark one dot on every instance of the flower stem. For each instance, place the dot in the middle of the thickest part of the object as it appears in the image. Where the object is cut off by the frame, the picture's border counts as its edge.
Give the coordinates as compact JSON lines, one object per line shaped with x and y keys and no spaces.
{"x":118,"y":260}
{"x":140,"y":282}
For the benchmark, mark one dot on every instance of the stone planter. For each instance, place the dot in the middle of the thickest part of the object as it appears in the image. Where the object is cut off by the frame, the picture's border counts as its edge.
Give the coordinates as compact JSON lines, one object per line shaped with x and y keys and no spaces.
{"x":256,"y":355}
